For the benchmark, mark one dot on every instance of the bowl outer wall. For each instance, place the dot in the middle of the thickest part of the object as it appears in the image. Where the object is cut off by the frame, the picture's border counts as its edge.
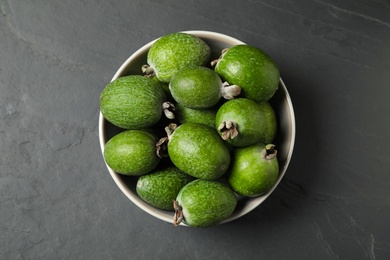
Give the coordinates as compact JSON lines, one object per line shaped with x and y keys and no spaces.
{"x":285,"y":138}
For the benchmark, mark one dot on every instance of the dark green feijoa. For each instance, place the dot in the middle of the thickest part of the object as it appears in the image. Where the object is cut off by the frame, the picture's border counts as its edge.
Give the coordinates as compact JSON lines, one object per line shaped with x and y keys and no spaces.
{"x":133,"y":102}
{"x":251,"y":69}
{"x":160,"y":188}
{"x":200,"y":87}
{"x":173,"y":52}
{"x":132,"y":152}
{"x":254,"y":170}
{"x":198,"y":150}
{"x":203,"y":203}
{"x":189,"y":115}
{"x":165,"y":87}
{"x":270,"y":128}
{"x":240,"y":122}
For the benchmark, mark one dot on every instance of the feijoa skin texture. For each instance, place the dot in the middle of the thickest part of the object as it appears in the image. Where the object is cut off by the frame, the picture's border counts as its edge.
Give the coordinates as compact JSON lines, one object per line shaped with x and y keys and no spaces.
{"x":270,"y":128}
{"x":132,"y":152}
{"x":175,"y":51}
{"x":189,"y":115}
{"x":196,"y":87}
{"x":251,"y":69}
{"x":245,"y":117}
{"x":159,"y":188}
{"x":132,"y":102}
{"x":254,"y":170}
{"x":205,"y":203}
{"x":198,"y":150}
{"x":165,"y":87}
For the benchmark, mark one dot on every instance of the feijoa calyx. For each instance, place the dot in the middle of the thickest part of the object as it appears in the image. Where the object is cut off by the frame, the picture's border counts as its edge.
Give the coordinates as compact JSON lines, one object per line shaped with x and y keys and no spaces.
{"x":198,"y":150}
{"x":203,"y":203}
{"x":132,"y":152}
{"x":159,"y":188}
{"x":199,"y":87}
{"x":133,"y":102}
{"x":173,"y":52}
{"x":254,"y":169}
{"x":251,"y":69}
{"x":240,"y":122}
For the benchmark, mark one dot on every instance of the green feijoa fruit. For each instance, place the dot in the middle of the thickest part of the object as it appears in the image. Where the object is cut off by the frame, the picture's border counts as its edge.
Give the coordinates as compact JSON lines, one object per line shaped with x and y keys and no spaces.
{"x":251,"y":69}
{"x":133,"y":102}
{"x":203,"y":203}
{"x":165,"y":87}
{"x":198,"y":150}
{"x":173,"y":52}
{"x":199,"y":87}
{"x":189,"y":115}
{"x":132,"y":152}
{"x":254,"y":170}
{"x":240,"y":122}
{"x":270,"y":128}
{"x":159,"y":188}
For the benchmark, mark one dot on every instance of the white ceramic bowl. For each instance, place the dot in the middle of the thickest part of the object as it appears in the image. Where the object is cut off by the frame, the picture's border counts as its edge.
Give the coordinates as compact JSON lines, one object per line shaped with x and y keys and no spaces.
{"x":281,"y":103}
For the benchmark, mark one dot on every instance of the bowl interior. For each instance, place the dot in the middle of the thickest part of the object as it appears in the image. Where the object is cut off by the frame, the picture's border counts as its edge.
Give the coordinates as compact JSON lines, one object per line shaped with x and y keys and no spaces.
{"x":284,"y":141}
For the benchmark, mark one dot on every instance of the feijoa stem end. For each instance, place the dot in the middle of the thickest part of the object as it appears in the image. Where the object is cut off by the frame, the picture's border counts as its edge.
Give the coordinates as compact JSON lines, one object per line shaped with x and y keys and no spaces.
{"x":228,"y":130}
{"x":214,"y":62}
{"x":162,"y":147}
{"x":269,"y":152}
{"x":168,"y":109}
{"x":230,"y":91}
{"x":178,"y":217}
{"x":148,"y":71}
{"x":162,"y":144}
{"x":170,"y":129}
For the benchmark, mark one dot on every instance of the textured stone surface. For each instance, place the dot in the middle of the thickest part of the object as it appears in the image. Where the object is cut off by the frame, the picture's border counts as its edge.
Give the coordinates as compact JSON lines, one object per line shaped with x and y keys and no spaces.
{"x":57,"y":200}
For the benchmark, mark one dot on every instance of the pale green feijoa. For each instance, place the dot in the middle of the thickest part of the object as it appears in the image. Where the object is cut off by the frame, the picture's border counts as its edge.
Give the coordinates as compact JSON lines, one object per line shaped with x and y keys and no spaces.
{"x":254,"y":170}
{"x":198,"y":150}
{"x":240,"y":122}
{"x":173,"y":52}
{"x":270,"y":128}
{"x":189,"y":115}
{"x":199,"y":87}
{"x":203,"y":203}
{"x":251,"y":69}
{"x":132,"y":152}
{"x":133,"y":102}
{"x":159,"y":188}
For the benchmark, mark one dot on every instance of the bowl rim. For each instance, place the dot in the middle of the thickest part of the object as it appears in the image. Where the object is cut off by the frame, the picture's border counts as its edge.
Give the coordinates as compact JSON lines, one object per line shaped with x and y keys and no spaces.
{"x":150,"y":209}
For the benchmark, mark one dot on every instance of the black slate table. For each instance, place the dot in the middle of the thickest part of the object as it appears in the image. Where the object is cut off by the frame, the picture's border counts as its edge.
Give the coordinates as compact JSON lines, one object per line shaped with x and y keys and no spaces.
{"x":57,"y":198}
